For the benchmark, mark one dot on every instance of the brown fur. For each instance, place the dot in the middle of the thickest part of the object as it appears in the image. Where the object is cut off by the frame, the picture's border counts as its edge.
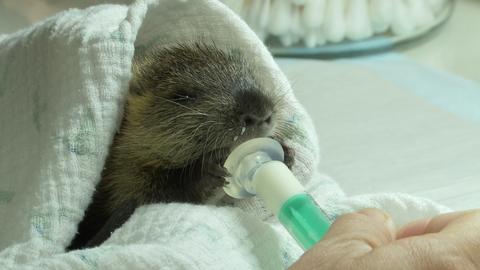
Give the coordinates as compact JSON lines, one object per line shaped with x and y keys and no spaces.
{"x":185,"y":107}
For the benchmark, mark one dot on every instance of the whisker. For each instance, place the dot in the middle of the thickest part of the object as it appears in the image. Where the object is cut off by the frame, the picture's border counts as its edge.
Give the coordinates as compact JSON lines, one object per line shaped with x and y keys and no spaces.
{"x":178,"y":104}
{"x":184,"y":115}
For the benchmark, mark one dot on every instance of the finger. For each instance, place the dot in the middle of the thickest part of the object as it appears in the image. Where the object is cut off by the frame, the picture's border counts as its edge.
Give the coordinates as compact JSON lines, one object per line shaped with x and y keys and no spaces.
{"x":363,"y":230}
{"x":420,"y":253}
{"x":430,"y":225}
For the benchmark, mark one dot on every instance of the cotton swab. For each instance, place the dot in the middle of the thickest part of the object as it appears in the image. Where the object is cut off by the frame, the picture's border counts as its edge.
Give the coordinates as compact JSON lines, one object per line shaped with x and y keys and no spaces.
{"x":334,"y":24}
{"x":402,"y":22}
{"x":279,"y":19}
{"x":313,"y":14}
{"x":421,"y":14}
{"x":380,"y":15}
{"x":358,"y":20}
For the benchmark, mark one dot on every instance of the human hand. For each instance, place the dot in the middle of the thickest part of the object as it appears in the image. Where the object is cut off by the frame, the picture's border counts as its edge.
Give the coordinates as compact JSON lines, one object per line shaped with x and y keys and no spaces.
{"x":368,"y":240}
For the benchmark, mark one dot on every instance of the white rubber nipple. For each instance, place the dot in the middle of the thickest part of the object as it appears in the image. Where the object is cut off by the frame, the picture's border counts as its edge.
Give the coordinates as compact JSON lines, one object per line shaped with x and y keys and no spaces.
{"x":243,"y":162}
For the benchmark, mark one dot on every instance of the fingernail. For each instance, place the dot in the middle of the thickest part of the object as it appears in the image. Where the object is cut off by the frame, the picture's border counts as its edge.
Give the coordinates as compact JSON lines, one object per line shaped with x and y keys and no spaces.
{"x":413,"y":228}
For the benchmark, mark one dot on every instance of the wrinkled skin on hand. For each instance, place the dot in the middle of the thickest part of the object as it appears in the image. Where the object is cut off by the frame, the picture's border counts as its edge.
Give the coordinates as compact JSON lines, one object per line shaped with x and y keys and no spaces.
{"x":369,"y":240}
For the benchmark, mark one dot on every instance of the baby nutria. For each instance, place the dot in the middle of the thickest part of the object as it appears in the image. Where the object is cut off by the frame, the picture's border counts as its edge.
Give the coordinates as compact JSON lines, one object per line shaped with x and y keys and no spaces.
{"x":187,"y":107}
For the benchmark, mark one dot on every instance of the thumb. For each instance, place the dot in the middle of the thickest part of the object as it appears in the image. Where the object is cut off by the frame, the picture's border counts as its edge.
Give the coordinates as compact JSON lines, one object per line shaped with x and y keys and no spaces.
{"x":361,"y":231}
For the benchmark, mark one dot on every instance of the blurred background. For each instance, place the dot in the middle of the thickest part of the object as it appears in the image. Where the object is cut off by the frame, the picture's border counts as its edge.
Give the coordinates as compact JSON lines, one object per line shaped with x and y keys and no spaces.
{"x":455,"y":47}
{"x":390,"y":118}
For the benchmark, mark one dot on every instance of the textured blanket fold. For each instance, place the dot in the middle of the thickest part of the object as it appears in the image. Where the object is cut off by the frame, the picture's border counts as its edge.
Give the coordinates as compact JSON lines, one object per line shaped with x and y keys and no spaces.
{"x":62,"y":88}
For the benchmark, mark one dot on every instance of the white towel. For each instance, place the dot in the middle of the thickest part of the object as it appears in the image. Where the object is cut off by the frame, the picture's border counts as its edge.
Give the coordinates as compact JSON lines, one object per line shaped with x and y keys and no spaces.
{"x":62,"y":88}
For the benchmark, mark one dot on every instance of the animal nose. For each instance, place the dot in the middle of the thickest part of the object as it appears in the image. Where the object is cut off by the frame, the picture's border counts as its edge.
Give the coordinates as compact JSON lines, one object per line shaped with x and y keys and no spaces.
{"x":255,"y":110}
{"x":251,"y":119}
